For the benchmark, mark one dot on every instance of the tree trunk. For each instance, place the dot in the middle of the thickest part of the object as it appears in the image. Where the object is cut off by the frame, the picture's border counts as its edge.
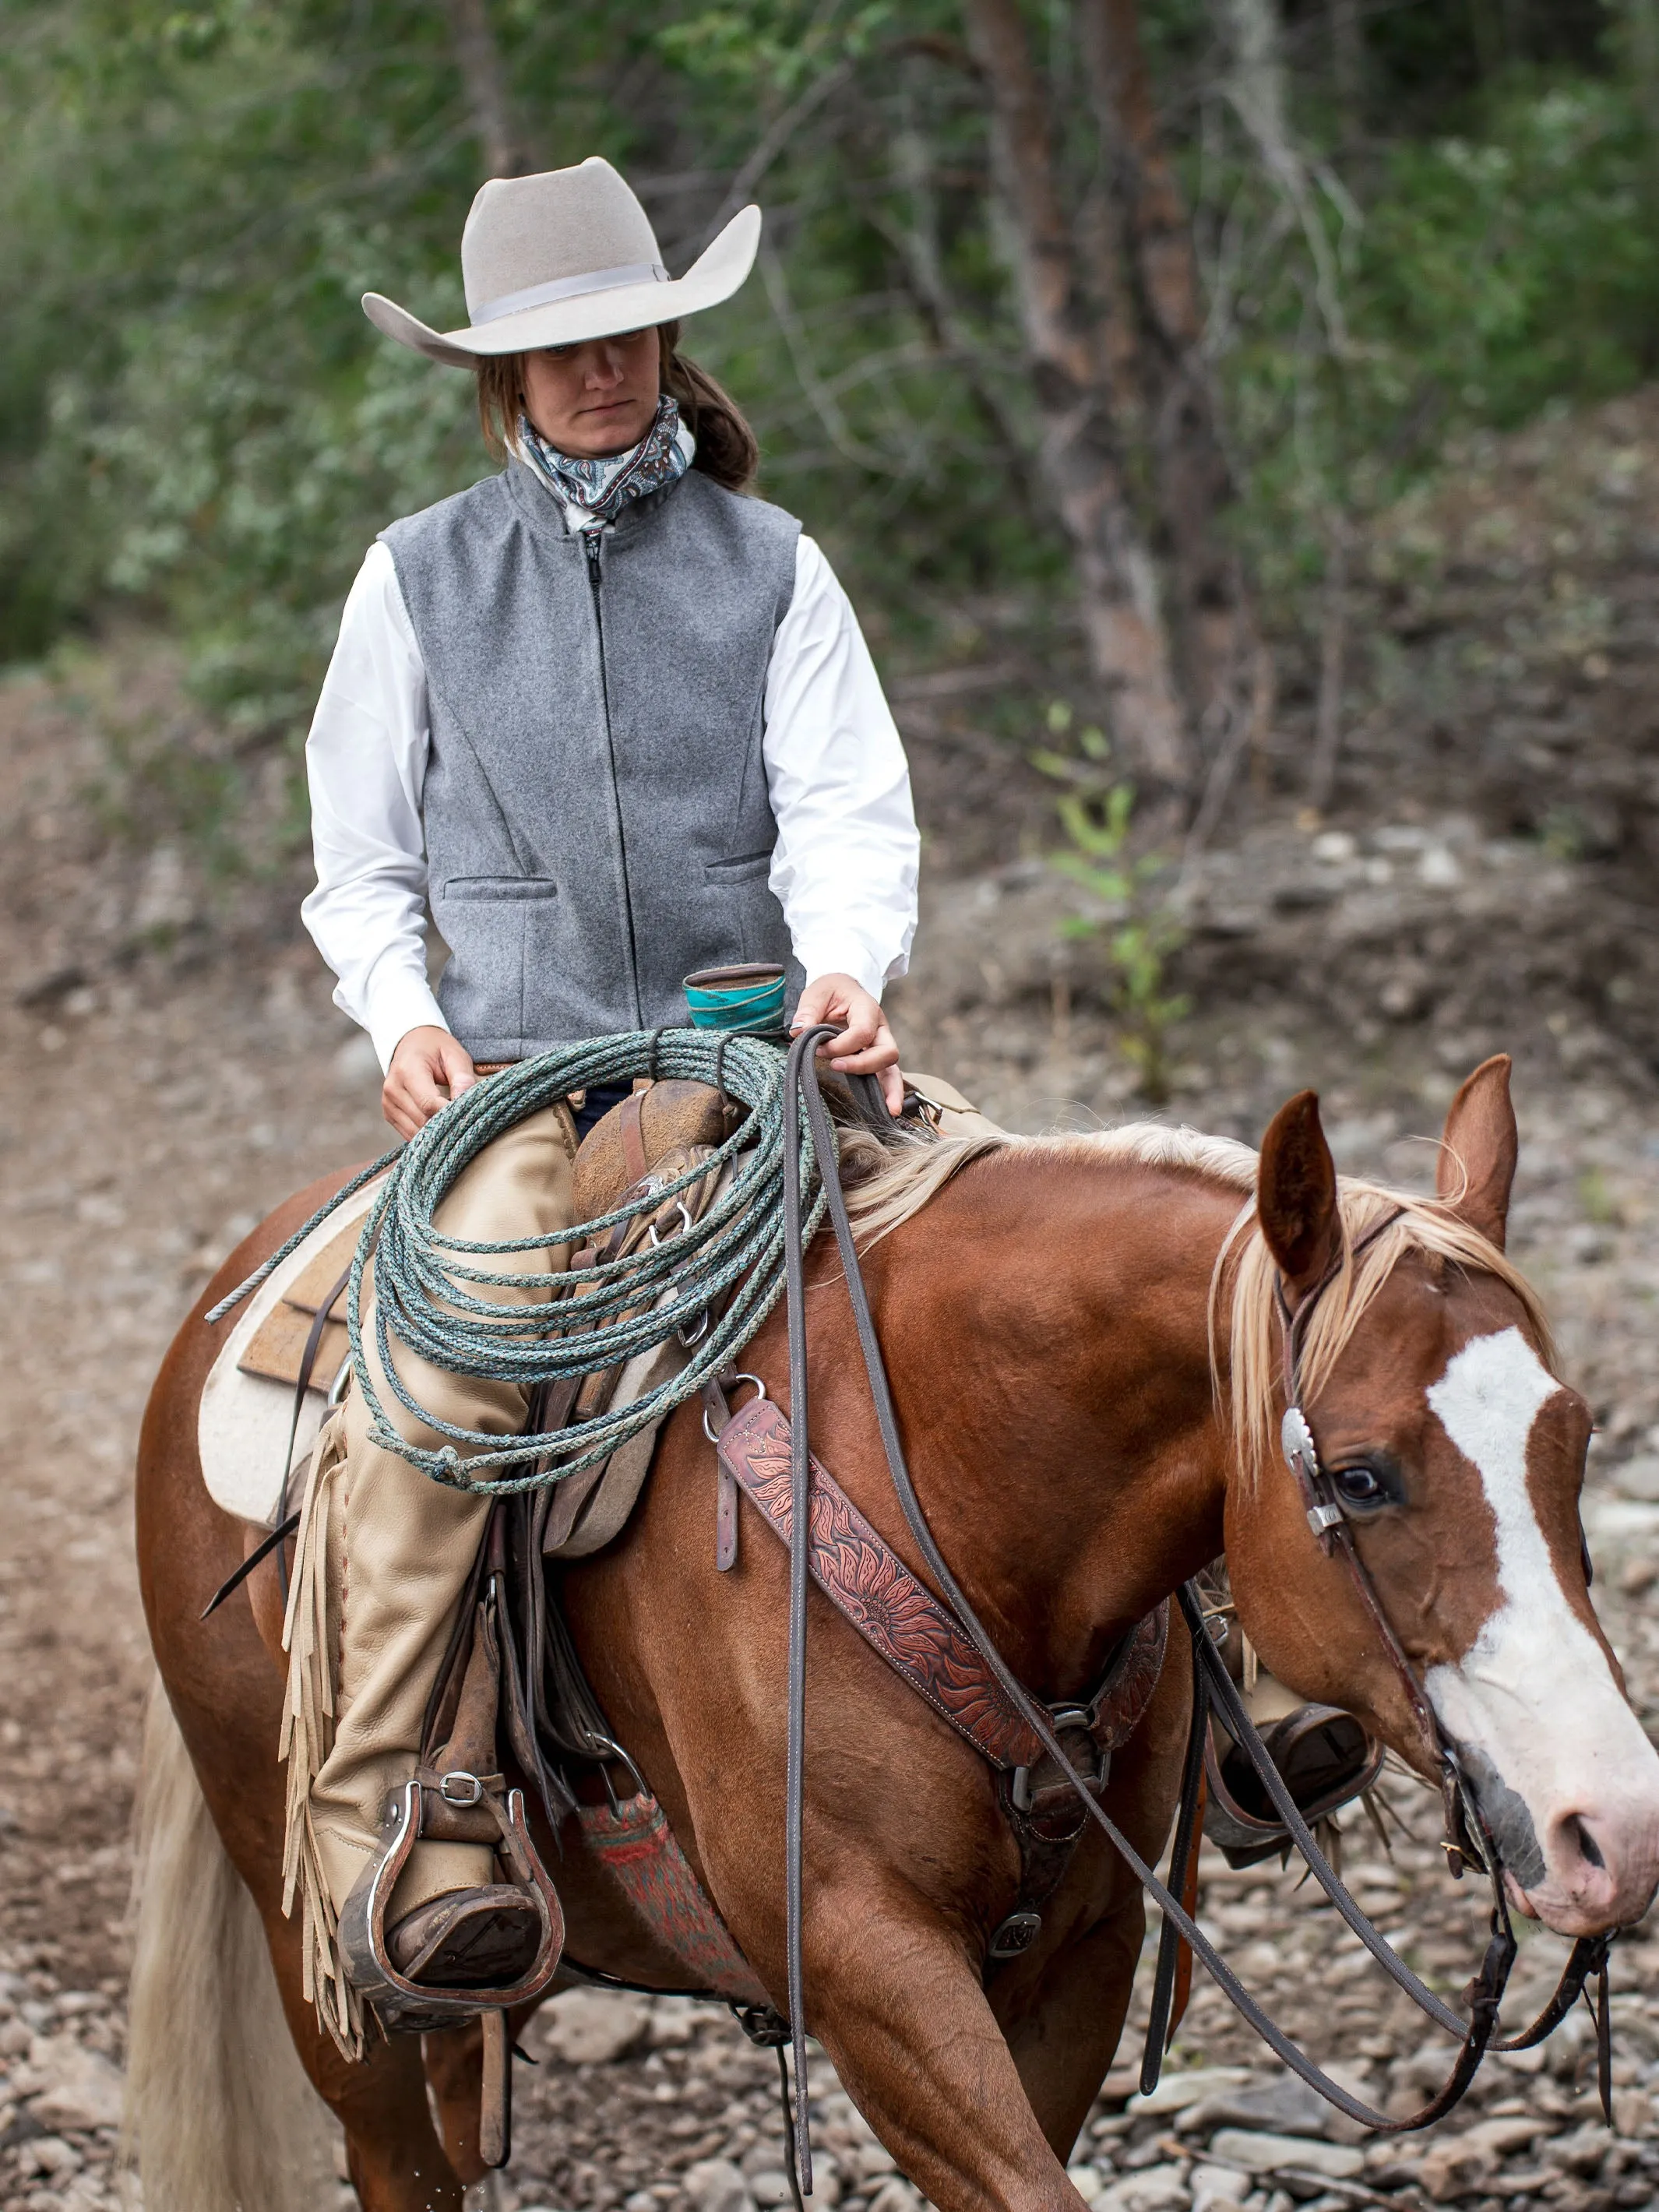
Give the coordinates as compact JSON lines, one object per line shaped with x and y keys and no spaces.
{"x":1194,"y":484}
{"x":479,"y":58}
{"x":1081,"y":463}
{"x":1348,"y":74}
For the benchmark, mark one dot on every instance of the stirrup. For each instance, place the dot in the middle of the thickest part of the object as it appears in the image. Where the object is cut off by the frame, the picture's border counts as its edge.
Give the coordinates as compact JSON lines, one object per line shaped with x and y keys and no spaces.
{"x":417,"y":2008}
{"x":1326,"y":1759}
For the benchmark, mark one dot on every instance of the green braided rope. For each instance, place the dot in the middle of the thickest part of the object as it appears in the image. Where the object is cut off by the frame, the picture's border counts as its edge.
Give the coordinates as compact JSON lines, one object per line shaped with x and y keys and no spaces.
{"x":427,"y":1283}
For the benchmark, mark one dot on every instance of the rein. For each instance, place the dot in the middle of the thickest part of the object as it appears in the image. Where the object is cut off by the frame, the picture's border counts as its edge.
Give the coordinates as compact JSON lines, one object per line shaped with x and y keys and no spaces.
{"x":1485,"y":1992}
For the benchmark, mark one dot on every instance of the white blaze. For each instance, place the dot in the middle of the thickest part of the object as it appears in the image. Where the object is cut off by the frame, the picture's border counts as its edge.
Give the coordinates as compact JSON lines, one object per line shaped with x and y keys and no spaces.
{"x":1534,"y":1691}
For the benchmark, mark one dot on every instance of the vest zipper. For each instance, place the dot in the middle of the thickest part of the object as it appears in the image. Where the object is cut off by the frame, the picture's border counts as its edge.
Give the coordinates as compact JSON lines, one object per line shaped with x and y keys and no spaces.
{"x":590,"y":548}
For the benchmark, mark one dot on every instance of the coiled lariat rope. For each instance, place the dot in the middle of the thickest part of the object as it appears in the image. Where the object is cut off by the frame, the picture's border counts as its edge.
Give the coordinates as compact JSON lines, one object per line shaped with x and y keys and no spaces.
{"x":426,"y":1284}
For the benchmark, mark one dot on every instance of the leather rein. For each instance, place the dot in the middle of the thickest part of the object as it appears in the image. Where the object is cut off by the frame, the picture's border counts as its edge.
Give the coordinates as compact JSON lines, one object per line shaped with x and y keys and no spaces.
{"x":1211,"y":1681}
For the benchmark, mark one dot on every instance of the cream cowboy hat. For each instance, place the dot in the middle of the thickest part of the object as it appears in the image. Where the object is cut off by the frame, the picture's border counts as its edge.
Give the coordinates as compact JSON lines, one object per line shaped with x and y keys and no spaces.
{"x":565,"y":256}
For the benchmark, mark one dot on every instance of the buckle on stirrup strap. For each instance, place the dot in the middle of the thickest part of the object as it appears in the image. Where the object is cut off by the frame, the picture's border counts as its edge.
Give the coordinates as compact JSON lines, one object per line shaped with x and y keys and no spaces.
{"x":419,"y":2006}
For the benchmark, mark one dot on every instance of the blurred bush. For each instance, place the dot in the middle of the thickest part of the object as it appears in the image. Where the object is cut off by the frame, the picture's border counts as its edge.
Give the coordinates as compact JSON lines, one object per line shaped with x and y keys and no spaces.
{"x":197,"y":423}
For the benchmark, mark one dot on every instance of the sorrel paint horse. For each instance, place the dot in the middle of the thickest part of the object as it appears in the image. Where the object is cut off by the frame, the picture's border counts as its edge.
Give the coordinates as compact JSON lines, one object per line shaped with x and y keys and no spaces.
{"x":1047,"y":1313}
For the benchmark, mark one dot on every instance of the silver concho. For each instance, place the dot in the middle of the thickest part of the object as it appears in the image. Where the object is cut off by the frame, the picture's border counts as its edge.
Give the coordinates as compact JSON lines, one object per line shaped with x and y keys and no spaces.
{"x":1297,"y":1438}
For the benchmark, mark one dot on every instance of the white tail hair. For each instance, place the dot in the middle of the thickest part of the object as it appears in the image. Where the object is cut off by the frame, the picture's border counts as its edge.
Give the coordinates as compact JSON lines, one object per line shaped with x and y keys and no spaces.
{"x":219,"y":2110}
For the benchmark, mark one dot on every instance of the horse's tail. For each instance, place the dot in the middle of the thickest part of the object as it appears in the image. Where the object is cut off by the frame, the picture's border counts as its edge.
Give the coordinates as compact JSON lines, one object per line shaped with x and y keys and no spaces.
{"x":221,"y":2114}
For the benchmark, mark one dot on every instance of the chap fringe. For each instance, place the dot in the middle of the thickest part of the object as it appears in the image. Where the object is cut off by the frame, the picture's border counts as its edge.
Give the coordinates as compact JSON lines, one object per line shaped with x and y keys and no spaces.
{"x":311,"y":1635}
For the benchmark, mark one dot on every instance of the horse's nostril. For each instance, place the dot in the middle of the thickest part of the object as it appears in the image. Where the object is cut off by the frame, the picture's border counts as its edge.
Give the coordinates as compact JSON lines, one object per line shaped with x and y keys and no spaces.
{"x":1589,"y":1848}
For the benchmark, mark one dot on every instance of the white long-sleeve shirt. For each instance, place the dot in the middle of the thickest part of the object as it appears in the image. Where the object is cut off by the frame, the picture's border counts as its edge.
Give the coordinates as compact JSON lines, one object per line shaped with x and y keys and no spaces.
{"x":844,"y":867}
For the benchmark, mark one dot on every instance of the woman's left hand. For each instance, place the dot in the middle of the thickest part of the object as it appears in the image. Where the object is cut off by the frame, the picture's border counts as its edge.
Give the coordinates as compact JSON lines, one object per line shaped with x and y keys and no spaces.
{"x":866,"y":1046}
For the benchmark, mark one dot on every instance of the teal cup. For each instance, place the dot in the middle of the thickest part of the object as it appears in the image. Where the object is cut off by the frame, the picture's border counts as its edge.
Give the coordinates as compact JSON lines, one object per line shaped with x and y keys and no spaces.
{"x":747,"y":1000}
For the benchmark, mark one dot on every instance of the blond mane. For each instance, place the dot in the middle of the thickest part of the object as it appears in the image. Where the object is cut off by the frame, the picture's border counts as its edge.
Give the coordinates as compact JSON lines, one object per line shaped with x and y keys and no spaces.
{"x":886,"y":1189}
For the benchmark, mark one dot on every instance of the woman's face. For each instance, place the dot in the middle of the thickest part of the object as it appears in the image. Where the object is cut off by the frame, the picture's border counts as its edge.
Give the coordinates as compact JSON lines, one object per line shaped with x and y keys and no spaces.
{"x":595,"y":398}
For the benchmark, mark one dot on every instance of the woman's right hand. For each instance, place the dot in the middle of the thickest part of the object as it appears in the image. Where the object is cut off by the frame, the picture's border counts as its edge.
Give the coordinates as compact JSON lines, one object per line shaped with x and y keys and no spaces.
{"x":429,"y":1069}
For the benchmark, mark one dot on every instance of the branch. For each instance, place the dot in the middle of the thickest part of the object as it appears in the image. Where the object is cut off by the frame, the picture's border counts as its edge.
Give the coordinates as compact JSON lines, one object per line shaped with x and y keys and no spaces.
{"x":820,"y":398}
{"x":1126,"y":113}
{"x":1023,"y":160}
{"x":934,"y":47}
{"x":1255,"y":90}
{"x":479,"y":60}
{"x":1192,"y":481}
{"x":1332,"y":659}
{"x":1247,"y":732}
{"x":771,"y":143}
{"x":1118,"y":589}
{"x":916,"y":245}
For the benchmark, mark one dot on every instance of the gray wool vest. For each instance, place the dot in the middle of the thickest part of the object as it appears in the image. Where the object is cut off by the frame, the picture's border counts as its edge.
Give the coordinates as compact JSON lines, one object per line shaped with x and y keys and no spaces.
{"x":595,"y":806}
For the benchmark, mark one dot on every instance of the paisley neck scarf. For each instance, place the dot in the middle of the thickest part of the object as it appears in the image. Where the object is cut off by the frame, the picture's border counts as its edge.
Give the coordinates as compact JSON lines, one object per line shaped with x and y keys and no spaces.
{"x":594,"y":493}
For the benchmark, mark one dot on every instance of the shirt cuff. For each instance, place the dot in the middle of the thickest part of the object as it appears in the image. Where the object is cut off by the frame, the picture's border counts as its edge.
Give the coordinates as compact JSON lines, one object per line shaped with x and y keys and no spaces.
{"x":837,"y":957}
{"x":397,"y":1004}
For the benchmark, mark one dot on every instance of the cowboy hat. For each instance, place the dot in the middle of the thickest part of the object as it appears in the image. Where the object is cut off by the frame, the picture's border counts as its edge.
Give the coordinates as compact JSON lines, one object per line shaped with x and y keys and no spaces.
{"x":568,"y":255}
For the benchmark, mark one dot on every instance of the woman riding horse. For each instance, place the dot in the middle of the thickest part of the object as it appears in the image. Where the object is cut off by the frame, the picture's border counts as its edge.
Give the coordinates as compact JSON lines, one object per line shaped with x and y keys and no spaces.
{"x":613,"y":721}
{"x":1084,"y":1341}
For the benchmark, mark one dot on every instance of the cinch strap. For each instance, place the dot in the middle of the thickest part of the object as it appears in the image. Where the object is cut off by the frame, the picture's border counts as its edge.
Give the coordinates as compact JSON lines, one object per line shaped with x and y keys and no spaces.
{"x":565,"y":288}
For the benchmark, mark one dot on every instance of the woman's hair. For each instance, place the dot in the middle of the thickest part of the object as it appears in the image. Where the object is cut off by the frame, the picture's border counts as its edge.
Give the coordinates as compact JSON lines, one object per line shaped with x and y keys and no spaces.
{"x":727,"y":446}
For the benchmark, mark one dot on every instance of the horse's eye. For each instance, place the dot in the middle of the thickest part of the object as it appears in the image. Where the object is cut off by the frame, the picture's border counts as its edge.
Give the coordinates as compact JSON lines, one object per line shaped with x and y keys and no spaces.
{"x":1360,"y":1485}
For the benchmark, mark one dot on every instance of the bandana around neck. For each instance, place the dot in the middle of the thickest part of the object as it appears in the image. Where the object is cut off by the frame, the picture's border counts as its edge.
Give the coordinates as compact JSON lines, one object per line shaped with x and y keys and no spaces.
{"x":600,"y":490}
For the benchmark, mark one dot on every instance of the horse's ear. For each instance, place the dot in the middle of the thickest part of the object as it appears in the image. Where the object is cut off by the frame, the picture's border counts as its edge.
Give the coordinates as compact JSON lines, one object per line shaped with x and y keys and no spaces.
{"x":1295,"y":1194}
{"x":1479,"y":1149}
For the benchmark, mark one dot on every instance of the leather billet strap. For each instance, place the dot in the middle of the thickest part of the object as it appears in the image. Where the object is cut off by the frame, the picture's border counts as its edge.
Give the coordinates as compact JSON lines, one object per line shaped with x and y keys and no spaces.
{"x":1173,"y":1975}
{"x":630,"y":1117}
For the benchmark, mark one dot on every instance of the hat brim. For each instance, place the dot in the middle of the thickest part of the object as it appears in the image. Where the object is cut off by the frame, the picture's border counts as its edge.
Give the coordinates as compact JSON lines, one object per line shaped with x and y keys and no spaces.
{"x":715,"y":275}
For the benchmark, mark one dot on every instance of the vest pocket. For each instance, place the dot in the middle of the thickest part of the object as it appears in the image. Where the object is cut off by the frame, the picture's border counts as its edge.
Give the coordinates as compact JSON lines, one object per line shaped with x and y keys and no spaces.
{"x":745,"y":919}
{"x":746,"y":868}
{"x":488,"y":889}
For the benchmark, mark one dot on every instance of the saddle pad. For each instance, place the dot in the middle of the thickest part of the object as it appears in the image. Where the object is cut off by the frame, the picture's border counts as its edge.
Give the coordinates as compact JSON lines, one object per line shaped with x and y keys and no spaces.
{"x":277,"y":1348}
{"x":247,"y":1400}
{"x":952,"y":1114}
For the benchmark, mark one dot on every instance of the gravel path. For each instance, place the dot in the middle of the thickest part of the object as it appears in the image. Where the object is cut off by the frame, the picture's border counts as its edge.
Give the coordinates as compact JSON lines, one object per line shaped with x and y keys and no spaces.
{"x":159,"y":1089}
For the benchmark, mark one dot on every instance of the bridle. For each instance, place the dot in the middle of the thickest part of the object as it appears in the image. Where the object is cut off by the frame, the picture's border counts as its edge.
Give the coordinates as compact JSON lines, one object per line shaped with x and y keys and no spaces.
{"x":1328,"y":1520}
{"x":1467,"y":1839}
{"x":1210,"y":1680}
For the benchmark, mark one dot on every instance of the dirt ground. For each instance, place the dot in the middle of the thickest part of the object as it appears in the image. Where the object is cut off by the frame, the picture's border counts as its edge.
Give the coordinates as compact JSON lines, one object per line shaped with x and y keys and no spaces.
{"x":170,"y":1066}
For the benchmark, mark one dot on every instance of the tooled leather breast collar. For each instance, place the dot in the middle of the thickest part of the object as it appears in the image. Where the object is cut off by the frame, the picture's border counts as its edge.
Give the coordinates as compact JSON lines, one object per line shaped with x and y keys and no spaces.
{"x":902,"y":1621}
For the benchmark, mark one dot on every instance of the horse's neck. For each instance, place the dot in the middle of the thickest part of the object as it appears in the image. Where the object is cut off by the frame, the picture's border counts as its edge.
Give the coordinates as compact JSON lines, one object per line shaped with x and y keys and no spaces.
{"x":1074,"y":1468}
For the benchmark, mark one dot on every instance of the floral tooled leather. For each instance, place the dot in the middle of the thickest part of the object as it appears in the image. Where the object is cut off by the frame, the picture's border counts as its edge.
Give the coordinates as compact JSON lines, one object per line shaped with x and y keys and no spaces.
{"x":902,"y":1621}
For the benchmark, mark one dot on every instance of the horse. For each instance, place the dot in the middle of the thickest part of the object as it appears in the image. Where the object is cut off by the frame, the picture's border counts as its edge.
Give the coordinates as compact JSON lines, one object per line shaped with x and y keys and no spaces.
{"x":1083,"y":1335}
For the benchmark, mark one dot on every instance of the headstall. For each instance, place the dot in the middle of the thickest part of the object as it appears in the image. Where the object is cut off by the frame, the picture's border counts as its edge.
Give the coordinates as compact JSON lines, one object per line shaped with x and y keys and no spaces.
{"x":1467,"y":1839}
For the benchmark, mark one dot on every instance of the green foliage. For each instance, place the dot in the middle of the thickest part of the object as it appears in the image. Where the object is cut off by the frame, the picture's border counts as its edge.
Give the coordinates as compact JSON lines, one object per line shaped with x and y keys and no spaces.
{"x":1131,"y":919}
{"x":1509,"y":266}
{"x":197,"y":421}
